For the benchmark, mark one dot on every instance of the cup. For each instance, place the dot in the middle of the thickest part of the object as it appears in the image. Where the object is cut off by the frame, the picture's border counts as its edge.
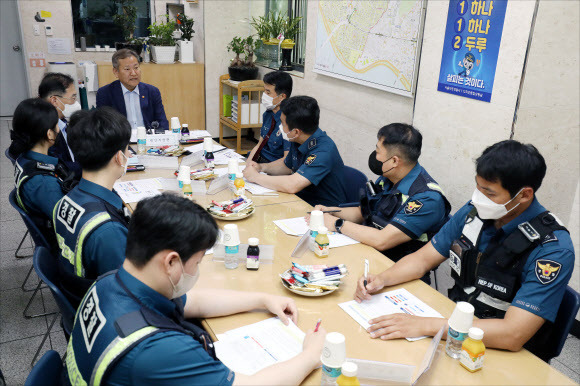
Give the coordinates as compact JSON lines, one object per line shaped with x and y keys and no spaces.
{"x":316,"y":220}
{"x":231,"y":235}
{"x":208,"y":145}
{"x":97,"y":47}
{"x":334,"y":351}
{"x":462,"y":317}
{"x":107,"y":47}
{"x":141,"y":132}
{"x":184,"y":172}
{"x":233,"y":167}
{"x":175,"y":125}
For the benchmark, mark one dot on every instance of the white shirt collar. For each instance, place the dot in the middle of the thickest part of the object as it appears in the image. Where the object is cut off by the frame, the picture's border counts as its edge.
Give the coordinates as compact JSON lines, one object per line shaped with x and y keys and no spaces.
{"x":126,"y":90}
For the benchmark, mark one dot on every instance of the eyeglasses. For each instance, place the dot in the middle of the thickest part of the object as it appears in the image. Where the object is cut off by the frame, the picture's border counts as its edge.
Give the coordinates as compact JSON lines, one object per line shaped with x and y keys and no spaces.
{"x":72,"y":98}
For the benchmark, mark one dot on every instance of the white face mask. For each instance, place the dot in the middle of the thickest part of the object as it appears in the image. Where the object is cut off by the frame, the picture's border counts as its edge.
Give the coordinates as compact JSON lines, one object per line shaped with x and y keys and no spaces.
{"x":268,"y":102}
{"x":284,"y":135}
{"x":70,"y":109}
{"x":126,"y":165}
{"x":185,"y":283}
{"x":489,"y":210}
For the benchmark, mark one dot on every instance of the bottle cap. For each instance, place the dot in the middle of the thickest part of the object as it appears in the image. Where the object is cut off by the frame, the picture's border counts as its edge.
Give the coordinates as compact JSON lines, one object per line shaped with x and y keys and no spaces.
{"x":322,"y":230}
{"x":239,"y":175}
{"x":462,"y":317}
{"x":253,"y":241}
{"x":334,"y":351}
{"x":316,"y":220}
{"x":185,"y":126}
{"x":349,"y":369}
{"x":175,"y":123}
{"x":476,"y":333}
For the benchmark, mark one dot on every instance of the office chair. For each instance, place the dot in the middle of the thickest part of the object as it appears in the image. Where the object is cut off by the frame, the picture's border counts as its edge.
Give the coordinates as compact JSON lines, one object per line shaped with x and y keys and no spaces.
{"x":47,"y":371}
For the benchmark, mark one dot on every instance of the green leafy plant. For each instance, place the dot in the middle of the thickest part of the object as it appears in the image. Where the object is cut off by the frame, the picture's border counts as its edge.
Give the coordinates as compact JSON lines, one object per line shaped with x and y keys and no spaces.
{"x":161,"y":33}
{"x":276,"y":22}
{"x":291,"y":27}
{"x":262,"y":27}
{"x":185,"y":25}
{"x":250,"y":45}
{"x":126,"y":18}
{"x":237,"y":46}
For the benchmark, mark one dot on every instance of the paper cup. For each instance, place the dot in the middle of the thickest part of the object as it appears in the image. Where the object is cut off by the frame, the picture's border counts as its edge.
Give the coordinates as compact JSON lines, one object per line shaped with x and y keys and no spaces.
{"x":233,"y":166}
{"x":97,"y":47}
{"x":175,"y":123}
{"x":184,"y":171}
{"x":141,"y":132}
{"x":107,"y":47}
{"x":462,"y":317}
{"x":208,"y":144}
{"x":334,"y":351}
{"x":231,"y":235}
{"x":316,"y":220}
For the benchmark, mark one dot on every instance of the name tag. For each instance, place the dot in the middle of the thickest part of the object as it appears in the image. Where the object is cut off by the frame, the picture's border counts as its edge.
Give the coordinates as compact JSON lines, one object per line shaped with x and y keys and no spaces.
{"x":168,"y":139}
{"x":472,"y":229}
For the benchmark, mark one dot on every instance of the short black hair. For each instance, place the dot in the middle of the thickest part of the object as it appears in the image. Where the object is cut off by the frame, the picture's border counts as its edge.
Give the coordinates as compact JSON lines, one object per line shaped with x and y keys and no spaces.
{"x":95,"y":136}
{"x":514,"y":164}
{"x":281,"y":80}
{"x":54,"y":83}
{"x":404,"y":138}
{"x":171,"y":222}
{"x":32,"y":119}
{"x":302,"y":112}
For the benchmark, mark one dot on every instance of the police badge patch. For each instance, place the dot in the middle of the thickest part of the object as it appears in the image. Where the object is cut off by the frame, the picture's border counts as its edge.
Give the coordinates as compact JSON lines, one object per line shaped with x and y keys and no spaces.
{"x":91,"y":318}
{"x":413,"y":207}
{"x":310,"y":159}
{"x":547,"y":270}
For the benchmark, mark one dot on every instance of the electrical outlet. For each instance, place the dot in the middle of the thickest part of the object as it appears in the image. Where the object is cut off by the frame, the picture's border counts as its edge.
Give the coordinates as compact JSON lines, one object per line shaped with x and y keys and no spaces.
{"x":48,"y":30}
{"x":36,"y":29}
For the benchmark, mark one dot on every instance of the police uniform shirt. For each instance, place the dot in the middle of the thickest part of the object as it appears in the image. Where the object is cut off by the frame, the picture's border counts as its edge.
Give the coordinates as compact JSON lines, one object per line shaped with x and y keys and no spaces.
{"x":276,"y":145}
{"x":537,"y":294}
{"x":41,"y":192}
{"x":319,"y":161}
{"x":104,"y":248}
{"x":167,"y":358}
{"x":421,"y":213}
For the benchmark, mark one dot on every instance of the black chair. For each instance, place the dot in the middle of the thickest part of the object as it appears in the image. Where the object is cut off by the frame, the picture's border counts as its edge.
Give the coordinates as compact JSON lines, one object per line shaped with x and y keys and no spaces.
{"x":46,"y":266}
{"x":13,"y":160}
{"x":39,"y":240}
{"x":47,"y":371}
{"x":355,"y":181}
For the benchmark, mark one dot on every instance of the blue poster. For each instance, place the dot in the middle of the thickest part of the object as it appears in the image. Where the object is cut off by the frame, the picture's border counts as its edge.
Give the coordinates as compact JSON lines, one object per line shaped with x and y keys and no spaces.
{"x":471,"y":46}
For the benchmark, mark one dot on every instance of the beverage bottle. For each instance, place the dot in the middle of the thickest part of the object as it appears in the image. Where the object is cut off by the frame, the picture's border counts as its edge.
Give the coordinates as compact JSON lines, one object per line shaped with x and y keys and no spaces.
{"x":187,"y":191}
{"x":141,"y":140}
{"x":332,"y":358}
{"x":253,"y":255}
{"x":316,"y":221}
{"x":185,"y":131}
{"x":239,"y":185}
{"x":348,"y":376}
{"x":473,"y":350}
{"x":459,"y":324}
{"x":232,"y":246}
{"x":321,"y":242}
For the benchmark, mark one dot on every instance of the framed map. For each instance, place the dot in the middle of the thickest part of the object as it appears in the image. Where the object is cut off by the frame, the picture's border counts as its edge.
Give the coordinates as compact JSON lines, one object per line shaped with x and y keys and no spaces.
{"x":374,"y":43}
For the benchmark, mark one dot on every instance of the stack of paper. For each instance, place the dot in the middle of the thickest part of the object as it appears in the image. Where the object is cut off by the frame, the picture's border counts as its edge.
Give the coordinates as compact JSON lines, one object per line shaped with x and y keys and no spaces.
{"x":387,"y":303}
{"x":134,"y":191}
{"x":297,"y":227}
{"x":159,"y":162}
{"x":223,"y":157}
{"x":249,"y":349}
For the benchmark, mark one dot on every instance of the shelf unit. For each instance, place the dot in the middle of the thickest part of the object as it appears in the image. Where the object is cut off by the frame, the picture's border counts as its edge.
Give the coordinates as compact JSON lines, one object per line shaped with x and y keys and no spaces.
{"x":240,"y":89}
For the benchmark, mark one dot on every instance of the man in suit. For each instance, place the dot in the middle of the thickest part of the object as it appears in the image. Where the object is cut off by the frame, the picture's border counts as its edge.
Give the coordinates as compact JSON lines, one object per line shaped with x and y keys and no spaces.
{"x":139,"y":102}
{"x":60,"y":91}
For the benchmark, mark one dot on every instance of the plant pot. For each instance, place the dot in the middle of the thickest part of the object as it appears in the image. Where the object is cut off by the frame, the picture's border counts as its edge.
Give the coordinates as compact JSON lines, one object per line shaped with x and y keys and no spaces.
{"x":241,"y":73}
{"x":272,"y":54}
{"x":137,"y":47}
{"x":286,"y":60}
{"x":185,"y":51}
{"x":163,"y":54}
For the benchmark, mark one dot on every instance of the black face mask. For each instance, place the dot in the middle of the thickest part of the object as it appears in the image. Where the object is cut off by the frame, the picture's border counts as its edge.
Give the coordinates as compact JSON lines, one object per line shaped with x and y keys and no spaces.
{"x":375,"y":165}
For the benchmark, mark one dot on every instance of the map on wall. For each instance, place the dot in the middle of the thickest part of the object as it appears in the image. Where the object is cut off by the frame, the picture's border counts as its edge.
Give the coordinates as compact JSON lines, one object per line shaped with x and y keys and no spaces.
{"x":373,"y":43}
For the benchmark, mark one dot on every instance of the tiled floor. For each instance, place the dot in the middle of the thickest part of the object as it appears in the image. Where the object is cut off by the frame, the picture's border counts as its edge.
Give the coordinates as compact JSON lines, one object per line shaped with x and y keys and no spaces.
{"x":20,"y":337}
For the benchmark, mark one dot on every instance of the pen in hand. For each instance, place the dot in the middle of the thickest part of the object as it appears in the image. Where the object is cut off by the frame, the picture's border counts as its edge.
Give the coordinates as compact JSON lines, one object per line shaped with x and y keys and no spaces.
{"x":366,"y":272}
{"x":317,"y":325}
{"x":328,"y":211}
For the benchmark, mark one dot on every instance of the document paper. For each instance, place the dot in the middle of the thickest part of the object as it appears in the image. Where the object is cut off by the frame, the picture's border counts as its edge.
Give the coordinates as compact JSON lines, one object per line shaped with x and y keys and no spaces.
{"x":249,"y":349}
{"x":393,"y":302}
{"x":297,"y":227}
{"x":135,"y":191}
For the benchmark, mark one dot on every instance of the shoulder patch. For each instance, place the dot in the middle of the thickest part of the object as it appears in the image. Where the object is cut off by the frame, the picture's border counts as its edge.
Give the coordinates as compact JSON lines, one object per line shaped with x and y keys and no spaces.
{"x":310,"y":159}
{"x":312,"y":143}
{"x":413,"y":206}
{"x":43,"y":166}
{"x":17,"y":172}
{"x":547,"y":270}
{"x":92,"y":319}
{"x":69,"y":213}
{"x":549,"y":238}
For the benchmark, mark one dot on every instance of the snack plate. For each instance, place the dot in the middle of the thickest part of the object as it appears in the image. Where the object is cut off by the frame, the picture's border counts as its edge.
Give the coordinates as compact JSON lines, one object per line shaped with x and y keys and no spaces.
{"x":309,"y":294}
{"x":233,"y":216}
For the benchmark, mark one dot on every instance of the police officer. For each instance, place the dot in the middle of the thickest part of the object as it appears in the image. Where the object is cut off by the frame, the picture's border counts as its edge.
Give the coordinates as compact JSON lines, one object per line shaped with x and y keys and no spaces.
{"x":271,"y":146}
{"x":131,"y":327}
{"x":510,"y":257}
{"x":90,"y":223}
{"x":404,"y":208}
{"x":313,"y":168}
{"x":38,"y":177}
{"x":60,"y":91}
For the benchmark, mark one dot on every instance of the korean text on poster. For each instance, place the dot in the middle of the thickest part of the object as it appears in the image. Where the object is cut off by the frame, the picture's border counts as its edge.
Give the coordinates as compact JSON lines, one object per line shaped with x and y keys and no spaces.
{"x":471,"y":46}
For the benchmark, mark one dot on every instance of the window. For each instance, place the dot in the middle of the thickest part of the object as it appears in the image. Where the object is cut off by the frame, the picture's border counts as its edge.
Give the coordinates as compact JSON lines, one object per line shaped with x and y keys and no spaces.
{"x":93,"y":20}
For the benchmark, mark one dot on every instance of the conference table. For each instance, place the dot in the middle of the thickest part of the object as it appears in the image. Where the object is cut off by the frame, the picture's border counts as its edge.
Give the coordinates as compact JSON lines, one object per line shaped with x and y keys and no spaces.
{"x":500,"y":367}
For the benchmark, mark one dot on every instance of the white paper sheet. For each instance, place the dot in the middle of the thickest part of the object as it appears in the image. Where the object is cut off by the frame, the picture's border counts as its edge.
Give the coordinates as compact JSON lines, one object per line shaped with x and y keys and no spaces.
{"x":59,"y":46}
{"x":193,"y":134}
{"x":159,"y":162}
{"x":393,"y":302}
{"x":223,"y":157}
{"x":199,"y":147}
{"x":249,"y":349}
{"x":297,"y":227}
{"x":135,"y":191}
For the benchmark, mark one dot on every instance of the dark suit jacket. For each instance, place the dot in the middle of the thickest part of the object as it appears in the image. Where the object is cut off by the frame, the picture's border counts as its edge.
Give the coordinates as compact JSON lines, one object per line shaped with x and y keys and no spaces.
{"x":149,"y":96}
{"x":60,"y":151}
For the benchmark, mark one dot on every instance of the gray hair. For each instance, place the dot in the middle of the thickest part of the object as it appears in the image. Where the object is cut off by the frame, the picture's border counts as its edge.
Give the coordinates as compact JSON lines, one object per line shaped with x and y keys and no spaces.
{"x":123,"y":53}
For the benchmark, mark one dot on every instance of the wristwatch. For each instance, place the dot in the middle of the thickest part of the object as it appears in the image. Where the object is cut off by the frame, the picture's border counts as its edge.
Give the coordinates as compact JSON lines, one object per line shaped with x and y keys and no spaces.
{"x":338,"y":225}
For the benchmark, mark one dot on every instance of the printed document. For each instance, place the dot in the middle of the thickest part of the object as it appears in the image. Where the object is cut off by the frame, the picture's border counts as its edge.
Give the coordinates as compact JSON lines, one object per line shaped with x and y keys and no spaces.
{"x":297,"y":227}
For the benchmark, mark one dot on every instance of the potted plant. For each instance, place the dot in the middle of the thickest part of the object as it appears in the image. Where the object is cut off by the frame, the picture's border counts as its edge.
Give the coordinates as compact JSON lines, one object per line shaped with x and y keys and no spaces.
{"x":162,"y":41}
{"x":262,"y":27}
{"x":291,"y":28}
{"x":185,"y":25}
{"x":239,"y":69}
{"x":125,"y":17}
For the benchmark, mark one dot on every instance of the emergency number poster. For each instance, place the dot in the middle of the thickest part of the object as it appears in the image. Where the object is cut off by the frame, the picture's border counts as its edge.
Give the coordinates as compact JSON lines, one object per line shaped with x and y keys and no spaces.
{"x":471,"y":47}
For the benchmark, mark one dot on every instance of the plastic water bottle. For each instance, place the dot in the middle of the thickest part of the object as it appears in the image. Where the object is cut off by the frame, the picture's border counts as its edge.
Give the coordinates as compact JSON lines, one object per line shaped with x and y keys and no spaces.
{"x":141,"y":140}
{"x":232,"y":246}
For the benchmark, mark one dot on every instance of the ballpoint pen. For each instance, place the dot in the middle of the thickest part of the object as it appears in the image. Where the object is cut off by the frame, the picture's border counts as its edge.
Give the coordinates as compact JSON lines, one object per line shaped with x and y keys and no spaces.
{"x":366,"y":272}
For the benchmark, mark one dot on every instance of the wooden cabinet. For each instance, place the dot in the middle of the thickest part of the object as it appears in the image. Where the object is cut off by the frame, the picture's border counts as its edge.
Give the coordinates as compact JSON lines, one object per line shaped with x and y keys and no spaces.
{"x":182,"y":87}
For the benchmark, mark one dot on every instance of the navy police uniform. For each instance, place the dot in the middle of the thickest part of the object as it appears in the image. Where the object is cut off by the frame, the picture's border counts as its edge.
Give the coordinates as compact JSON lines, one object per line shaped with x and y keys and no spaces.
{"x":319,"y":161}
{"x":40,"y":182}
{"x":91,"y":230}
{"x":415,"y":205}
{"x":126,"y":333}
{"x":527,"y":263}
{"x":276,"y":145}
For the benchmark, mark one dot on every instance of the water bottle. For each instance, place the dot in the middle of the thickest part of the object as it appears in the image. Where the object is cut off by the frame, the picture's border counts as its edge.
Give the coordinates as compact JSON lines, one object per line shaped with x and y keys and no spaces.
{"x":232,"y":246}
{"x":459,"y":324}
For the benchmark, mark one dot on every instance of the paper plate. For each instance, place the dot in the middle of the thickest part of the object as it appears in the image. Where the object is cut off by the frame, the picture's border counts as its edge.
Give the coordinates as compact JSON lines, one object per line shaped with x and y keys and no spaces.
{"x":309,"y":294}
{"x":233,"y":216}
